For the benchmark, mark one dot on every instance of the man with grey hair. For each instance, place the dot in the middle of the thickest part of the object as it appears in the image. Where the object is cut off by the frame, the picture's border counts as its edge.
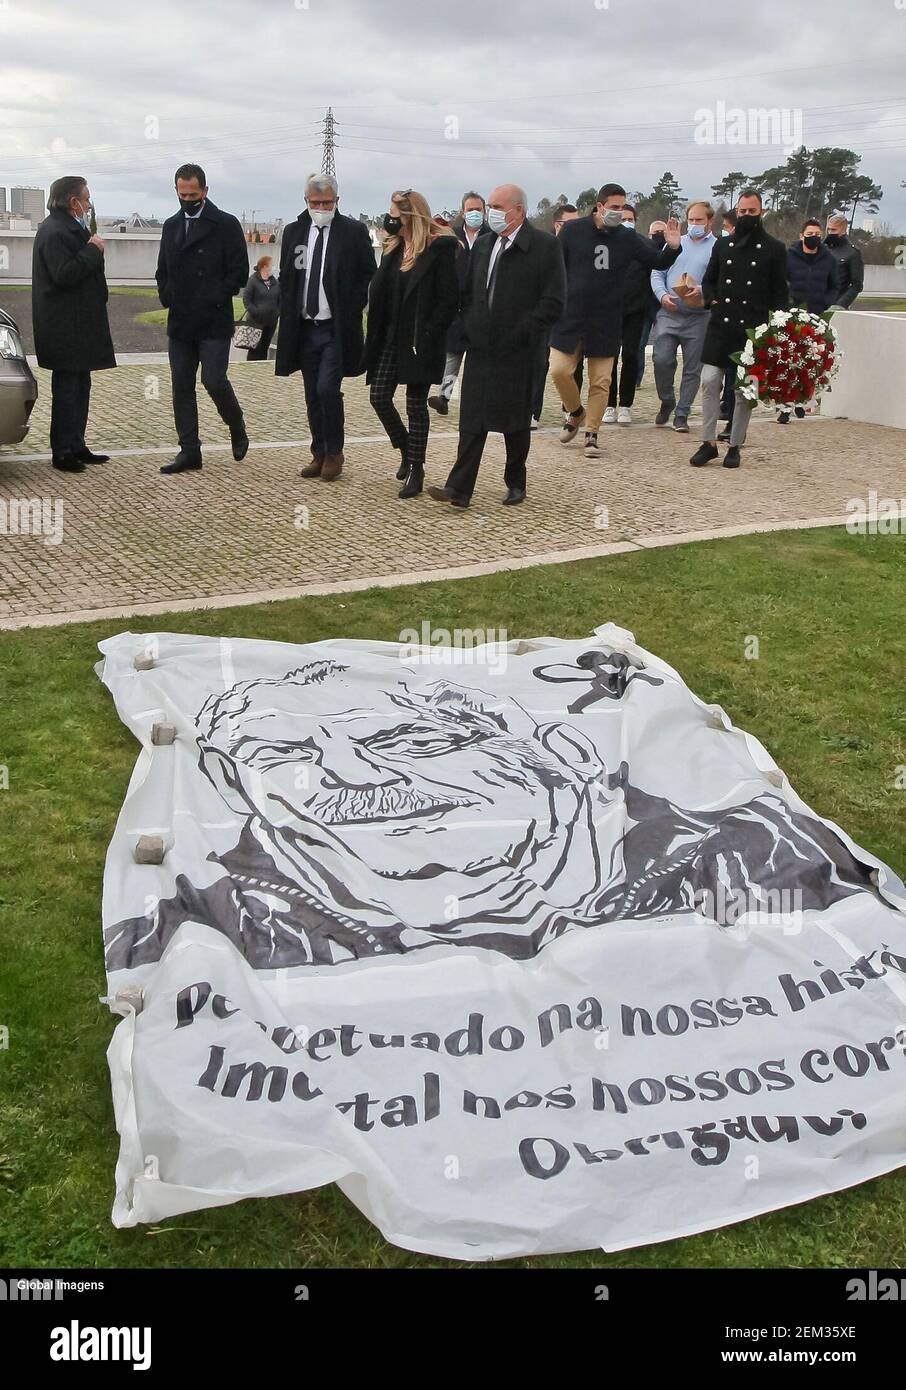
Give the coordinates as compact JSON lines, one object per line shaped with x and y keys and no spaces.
{"x":850,"y":267}
{"x":514,"y":292}
{"x":326,"y":265}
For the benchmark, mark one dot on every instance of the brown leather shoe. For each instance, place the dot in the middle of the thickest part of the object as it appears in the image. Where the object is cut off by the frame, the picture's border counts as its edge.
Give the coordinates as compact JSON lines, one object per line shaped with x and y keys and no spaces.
{"x":314,"y":468}
{"x":333,"y":467}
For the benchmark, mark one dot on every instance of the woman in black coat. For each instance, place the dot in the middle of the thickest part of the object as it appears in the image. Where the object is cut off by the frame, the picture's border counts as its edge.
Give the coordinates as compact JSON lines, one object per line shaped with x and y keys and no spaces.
{"x":414,"y":298}
{"x":69,"y":315}
{"x":261,"y":298}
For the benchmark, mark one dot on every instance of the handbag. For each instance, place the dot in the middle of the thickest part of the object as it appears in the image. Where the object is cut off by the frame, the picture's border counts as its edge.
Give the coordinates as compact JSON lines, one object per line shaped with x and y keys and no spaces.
{"x":246,"y":335}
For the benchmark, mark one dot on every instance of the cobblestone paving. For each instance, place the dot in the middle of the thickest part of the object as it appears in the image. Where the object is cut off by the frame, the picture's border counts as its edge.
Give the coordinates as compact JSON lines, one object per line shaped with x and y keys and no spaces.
{"x":132,"y":536}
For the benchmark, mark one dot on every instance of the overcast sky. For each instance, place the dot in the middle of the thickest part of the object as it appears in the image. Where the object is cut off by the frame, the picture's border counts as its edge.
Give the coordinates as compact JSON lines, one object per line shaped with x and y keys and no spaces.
{"x":439,"y":95}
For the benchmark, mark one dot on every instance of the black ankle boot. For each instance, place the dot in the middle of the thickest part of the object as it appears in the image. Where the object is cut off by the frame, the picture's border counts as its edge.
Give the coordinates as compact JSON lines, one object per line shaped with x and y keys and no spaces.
{"x":403,"y":471}
{"x":414,"y":482}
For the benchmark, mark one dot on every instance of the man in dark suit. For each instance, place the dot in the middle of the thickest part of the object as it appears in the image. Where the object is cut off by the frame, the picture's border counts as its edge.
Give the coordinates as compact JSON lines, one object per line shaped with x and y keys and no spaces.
{"x":203,"y":263}
{"x":746,"y":280}
{"x":326,"y":265}
{"x":516,"y":289}
{"x":69,"y":315}
{"x":473,"y":226}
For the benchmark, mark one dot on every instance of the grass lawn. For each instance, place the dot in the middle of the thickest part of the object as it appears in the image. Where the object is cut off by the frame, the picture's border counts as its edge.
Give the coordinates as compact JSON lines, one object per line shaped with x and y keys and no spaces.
{"x":826,"y":696}
{"x":872,"y":304}
{"x":160,"y":315}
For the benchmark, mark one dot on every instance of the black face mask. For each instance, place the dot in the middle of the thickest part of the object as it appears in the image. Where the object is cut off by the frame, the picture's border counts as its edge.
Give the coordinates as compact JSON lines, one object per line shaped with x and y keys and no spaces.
{"x":747,"y":222}
{"x":834,"y":239}
{"x":191,"y":205}
{"x":812,"y":242}
{"x":658,"y":239}
{"x":392,"y":225}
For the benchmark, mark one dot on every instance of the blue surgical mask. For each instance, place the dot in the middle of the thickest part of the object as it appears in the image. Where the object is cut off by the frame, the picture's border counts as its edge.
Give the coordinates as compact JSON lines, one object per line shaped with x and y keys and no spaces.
{"x":496,"y":220}
{"x":474,"y":218}
{"x":697,"y":232}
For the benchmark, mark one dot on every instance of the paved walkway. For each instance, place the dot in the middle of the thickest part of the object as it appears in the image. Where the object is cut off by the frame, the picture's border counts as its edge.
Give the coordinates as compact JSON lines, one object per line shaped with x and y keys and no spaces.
{"x":135,"y":541}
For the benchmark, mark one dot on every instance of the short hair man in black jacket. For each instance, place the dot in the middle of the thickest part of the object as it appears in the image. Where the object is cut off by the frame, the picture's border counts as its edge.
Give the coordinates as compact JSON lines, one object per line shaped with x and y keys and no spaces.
{"x":850,"y":266}
{"x":203,"y":263}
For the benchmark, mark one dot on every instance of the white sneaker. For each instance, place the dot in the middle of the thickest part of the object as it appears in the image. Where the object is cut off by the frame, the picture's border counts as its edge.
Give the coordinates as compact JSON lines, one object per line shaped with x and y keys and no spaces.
{"x":610,"y":415}
{"x":624,"y":415}
{"x":536,"y":424}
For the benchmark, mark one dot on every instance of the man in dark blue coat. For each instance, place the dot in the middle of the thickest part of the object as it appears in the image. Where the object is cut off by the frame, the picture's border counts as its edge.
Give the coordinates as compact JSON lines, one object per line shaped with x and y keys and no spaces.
{"x":598,"y":251}
{"x":69,"y":314}
{"x":326,"y":265}
{"x":813,"y":275}
{"x":203,"y":263}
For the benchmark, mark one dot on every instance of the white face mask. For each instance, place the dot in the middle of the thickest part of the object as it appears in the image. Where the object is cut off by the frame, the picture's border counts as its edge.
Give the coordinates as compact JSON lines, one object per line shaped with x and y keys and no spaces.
{"x":496,"y":220}
{"x":323,"y":219}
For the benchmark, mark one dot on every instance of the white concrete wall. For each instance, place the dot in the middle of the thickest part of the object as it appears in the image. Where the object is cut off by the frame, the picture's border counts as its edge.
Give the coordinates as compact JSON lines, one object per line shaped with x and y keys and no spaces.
{"x":131,"y":257}
{"x":869,"y":383}
{"x":885,"y":279}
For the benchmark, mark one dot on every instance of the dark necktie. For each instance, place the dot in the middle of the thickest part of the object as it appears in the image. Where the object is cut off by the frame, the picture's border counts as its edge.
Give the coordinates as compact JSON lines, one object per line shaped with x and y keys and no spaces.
{"x":313,"y":294}
{"x":492,"y":283}
{"x":190,"y":226}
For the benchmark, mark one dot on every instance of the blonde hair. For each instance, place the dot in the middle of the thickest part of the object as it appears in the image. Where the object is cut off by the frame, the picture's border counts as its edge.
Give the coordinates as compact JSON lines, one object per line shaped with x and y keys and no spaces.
{"x":423,"y":230}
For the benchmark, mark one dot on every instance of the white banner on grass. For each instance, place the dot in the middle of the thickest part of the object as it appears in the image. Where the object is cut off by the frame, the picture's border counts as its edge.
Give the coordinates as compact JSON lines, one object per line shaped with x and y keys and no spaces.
{"x":523,"y":945}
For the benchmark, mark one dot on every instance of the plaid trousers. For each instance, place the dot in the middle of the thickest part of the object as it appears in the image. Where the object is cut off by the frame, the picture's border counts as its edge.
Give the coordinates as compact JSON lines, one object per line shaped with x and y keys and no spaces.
{"x":414,"y":441}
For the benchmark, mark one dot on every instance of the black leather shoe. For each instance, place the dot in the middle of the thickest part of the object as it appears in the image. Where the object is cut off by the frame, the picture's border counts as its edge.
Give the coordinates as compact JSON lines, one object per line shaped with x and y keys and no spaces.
{"x":403,"y":471}
{"x":183,"y":463}
{"x":666,"y":410}
{"x":414,"y":483}
{"x":724,"y":436}
{"x":440,"y":404}
{"x":240,"y":446}
{"x":514,"y":497}
{"x":440,"y":494}
{"x":731,"y":458}
{"x":86,"y":456}
{"x":68,"y":463}
{"x":706,"y":454}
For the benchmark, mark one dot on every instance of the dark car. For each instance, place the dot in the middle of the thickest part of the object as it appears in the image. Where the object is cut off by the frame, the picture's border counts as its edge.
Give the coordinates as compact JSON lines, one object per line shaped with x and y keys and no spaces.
{"x":18,"y":387}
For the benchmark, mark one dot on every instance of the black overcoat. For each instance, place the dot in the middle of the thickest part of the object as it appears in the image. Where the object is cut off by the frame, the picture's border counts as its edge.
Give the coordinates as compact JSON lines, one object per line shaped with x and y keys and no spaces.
{"x":430,"y":300}
{"x":597,"y":264}
{"x":198,"y":276}
{"x":503,"y":343}
{"x":745,"y":281}
{"x":349,"y":267}
{"x":69,"y":298}
{"x":456,"y":338}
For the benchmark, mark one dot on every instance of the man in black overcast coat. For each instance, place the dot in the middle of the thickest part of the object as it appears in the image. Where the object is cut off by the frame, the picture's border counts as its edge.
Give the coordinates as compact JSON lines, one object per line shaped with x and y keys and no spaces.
{"x":69,"y":316}
{"x":516,"y":289}
{"x":746,"y":280}
{"x":203,"y":263}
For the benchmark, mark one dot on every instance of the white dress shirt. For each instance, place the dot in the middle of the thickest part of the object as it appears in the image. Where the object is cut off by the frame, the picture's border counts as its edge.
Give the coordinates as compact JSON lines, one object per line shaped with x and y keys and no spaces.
{"x":323,"y":306}
{"x":496,"y":251}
